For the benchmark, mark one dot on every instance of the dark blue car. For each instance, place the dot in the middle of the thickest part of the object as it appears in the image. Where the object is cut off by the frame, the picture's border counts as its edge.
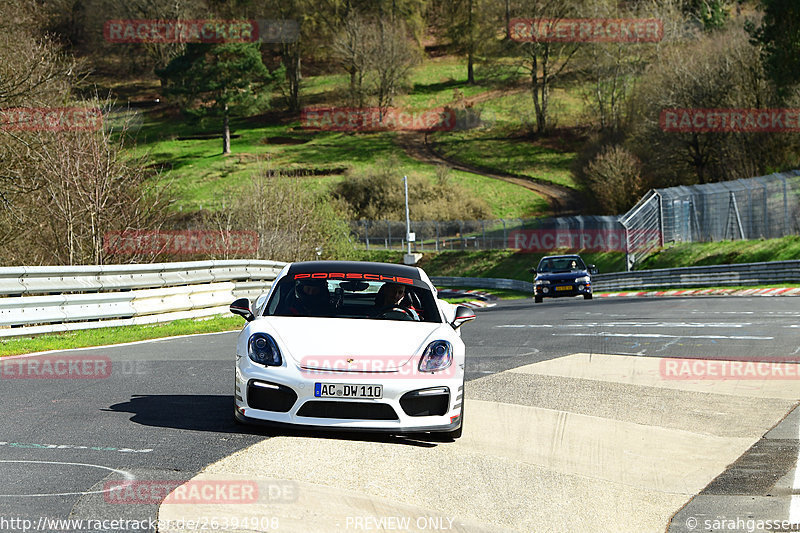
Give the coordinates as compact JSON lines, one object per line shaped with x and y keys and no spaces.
{"x":562,"y":275}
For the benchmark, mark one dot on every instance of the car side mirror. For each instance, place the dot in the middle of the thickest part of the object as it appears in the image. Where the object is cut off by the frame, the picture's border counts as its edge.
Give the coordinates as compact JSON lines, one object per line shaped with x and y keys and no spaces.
{"x":463,"y":315}
{"x":241,"y":307}
{"x":593,"y":269}
{"x":532,"y":270}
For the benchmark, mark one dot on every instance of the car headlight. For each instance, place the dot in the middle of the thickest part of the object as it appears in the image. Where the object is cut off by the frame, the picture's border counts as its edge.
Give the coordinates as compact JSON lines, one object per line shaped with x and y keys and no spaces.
{"x":262,"y":349}
{"x":584,"y":279}
{"x":542,"y":282}
{"x":437,"y":356}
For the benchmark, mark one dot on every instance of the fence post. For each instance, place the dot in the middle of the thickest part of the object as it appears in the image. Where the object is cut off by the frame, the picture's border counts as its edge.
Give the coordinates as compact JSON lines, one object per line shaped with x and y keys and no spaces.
{"x":437,"y":235}
{"x":505,"y":235}
{"x":389,"y":233}
{"x":785,"y":208}
{"x":366,"y":233}
{"x":660,"y":219}
{"x":767,"y":232}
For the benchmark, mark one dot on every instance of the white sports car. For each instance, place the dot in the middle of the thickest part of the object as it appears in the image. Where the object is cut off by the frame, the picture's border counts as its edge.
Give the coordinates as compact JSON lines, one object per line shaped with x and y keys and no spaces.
{"x":352,"y":345}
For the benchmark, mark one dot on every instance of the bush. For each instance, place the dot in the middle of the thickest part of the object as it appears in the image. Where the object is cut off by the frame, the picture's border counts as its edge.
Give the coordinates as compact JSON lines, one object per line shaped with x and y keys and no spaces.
{"x":377,"y":194}
{"x":293,"y":223}
{"x":614,"y":177}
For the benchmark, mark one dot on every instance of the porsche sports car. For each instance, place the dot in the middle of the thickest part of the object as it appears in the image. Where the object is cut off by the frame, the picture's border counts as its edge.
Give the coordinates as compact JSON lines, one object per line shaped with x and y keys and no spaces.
{"x":562,"y":275}
{"x":352,"y":345}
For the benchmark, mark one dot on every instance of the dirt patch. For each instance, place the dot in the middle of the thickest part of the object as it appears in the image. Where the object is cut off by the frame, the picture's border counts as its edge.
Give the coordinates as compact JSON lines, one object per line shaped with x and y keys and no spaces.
{"x":205,"y":137}
{"x":279,"y":139}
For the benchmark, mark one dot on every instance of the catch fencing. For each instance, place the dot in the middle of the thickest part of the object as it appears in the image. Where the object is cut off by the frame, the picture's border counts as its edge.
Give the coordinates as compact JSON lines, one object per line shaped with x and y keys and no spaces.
{"x":765,"y":207}
{"x":597,"y":233}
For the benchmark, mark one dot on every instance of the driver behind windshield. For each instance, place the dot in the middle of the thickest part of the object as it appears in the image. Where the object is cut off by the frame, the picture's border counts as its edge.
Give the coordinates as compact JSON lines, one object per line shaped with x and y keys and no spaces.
{"x":393,"y":296}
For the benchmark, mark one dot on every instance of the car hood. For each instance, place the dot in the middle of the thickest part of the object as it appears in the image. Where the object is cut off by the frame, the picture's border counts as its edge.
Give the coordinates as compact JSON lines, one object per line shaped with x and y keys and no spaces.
{"x":360,"y":344}
{"x":562,"y":276}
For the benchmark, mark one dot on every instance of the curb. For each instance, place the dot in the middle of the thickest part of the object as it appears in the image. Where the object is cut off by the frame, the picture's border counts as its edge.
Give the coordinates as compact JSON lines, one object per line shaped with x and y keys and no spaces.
{"x":778,"y":291}
{"x":474,"y":304}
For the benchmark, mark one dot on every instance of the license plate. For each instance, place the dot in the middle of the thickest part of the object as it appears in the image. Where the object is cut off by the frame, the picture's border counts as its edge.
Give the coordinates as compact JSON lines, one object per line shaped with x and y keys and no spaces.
{"x":346,"y":390}
{"x":564,"y":288}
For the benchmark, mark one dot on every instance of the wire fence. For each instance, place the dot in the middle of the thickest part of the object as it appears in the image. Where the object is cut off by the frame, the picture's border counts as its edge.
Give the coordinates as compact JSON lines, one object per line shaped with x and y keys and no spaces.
{"x":597,"y":233}
{"x":764,"y":207}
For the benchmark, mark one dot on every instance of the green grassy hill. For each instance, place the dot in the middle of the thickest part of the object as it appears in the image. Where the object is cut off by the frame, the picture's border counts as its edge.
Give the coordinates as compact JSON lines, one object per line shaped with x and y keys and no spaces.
{"x":190,"y":153}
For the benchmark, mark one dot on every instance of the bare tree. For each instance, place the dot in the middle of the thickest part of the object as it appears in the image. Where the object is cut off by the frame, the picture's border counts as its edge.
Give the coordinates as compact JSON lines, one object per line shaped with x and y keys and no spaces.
{"x":391,"y":61}
{"x":352,"y":49}
{"x":613,"y":68}
{"x":161,"y":53}
{"x":89,"y":188}
{"x":714,"y":72}
{"x":545,"y":61}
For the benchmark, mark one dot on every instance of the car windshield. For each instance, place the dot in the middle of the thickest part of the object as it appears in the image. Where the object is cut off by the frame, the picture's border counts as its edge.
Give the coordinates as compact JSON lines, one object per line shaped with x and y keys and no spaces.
{"x":352,"y":299}
{"x":561,"y":264}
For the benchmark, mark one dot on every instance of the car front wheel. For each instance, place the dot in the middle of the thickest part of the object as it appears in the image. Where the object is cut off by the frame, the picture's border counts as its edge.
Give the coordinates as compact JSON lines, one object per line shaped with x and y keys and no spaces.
{"x":587,"y":296}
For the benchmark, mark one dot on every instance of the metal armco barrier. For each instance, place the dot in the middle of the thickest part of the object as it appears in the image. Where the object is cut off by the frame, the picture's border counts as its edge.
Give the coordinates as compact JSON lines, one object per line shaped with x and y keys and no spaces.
{"x":745,"y":274}
{"x":63,"y":298}
{"x":483,"y":283}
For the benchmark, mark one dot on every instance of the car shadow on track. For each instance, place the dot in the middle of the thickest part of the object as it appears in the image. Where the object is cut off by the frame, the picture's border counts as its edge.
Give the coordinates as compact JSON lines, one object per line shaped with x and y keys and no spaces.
{"x":208,"y":412}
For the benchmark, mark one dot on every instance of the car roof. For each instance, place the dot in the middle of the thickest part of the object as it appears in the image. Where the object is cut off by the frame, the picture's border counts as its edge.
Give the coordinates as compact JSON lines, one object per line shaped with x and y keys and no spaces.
{"x":561,"y":256}
{"x":363,"y":267}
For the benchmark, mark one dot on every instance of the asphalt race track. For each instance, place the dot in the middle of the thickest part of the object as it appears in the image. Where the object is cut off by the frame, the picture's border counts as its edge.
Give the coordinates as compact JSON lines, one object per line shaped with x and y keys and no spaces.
{"x":162,"y":411}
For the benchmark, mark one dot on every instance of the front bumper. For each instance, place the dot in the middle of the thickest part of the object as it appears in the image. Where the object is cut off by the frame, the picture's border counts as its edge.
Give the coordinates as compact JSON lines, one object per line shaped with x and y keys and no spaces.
{"x":284,"y":396}
{"x":562,"y":289}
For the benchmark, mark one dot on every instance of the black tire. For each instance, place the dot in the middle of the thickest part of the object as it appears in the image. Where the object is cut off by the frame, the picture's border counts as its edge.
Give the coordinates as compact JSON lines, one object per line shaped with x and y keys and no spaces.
{"x":587,"y":296}
{"x":537,"y":299}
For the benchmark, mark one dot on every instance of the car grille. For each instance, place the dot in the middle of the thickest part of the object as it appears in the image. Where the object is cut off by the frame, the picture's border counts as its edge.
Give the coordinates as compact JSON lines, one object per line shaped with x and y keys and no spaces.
{"x":426,"y":402}
{"x":270,"y":396}
{"x":347,"y":410}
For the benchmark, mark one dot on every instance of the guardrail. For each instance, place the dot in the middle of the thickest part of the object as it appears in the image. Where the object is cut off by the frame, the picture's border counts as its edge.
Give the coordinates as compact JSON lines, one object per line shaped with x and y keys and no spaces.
{"x":51,"y":299}
{"x":746,"y":274}
{"x":483,"y":283}
{"x":63,"y":298}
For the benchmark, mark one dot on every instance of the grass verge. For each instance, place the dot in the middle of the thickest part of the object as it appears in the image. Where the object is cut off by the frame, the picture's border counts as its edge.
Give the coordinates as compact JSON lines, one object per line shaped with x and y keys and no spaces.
{"x":725,"y":252}
{"x":117,"y":335}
